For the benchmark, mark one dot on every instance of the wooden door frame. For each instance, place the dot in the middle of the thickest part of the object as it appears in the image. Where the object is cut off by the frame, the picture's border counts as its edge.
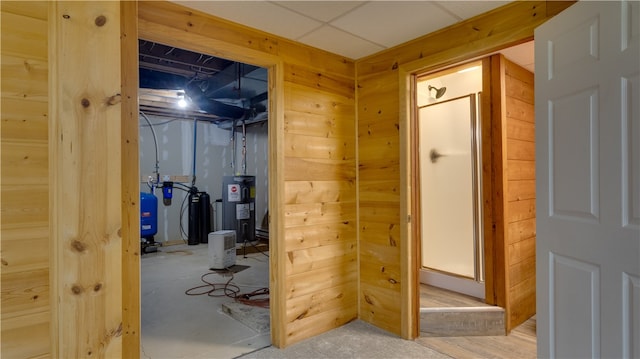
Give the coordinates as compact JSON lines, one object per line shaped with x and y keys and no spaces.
{"x":409,"y":208}
{"x":164,"y":33}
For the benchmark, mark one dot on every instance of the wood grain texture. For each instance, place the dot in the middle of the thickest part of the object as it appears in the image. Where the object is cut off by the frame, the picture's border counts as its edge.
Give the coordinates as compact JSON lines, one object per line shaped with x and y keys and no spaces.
{"x":87,"y":197}
{"x":130,"y":205}
{"x":24,"y":35}
{"x":500,"y":27}
{"x":26,"y":336}
{"x":25,"y":249}
{"x":499,"y":185}
{"x":324,"y":78}
{"x":25,"y":162}
{"x":434,"y":297}
{"x":520,"y":343}
{"x":383,"y":120}
{"x":24,"y":182}
{"x":25,"y":77}
{"x":24,"y":120}
{"x":520,"y":193}
{"x":312,"y":181}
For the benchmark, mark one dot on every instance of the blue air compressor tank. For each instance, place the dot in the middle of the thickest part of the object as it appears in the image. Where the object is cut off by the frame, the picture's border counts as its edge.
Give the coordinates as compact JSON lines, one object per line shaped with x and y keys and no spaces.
{"x":148,"y":215}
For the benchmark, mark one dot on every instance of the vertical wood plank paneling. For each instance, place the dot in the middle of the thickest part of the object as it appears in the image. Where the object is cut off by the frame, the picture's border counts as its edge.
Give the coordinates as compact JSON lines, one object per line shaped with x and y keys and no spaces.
{"x":379,"y":206}
{"x":498,"y":178}
{"x":86,"y":151}
{"x":24,"y":182}
{"x":378,"y":77}
{"x":130,"y":186}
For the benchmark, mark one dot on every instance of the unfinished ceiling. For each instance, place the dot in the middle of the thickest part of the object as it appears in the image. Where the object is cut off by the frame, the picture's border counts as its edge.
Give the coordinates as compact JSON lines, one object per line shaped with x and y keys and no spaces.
{"x":221,"y":90}
{"x":213,"y":89}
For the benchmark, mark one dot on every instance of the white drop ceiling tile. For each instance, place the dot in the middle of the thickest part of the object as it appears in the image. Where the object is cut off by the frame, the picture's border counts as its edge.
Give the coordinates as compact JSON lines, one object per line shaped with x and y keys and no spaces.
{"x":339,"y":42}
{"x":320,"y":10}
{"x":522,"y":55}
{"x":261,"y":15}
{"x":468,"y":9}
{"x":390,"y":23}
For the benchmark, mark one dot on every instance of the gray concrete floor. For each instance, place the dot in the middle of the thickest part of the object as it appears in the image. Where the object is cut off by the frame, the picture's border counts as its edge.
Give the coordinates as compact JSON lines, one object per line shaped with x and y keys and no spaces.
{"x":176,"y":325}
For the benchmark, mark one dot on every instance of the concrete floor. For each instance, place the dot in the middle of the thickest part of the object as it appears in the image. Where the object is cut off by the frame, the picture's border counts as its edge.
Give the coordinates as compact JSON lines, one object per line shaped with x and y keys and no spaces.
{"x":176,"y":325}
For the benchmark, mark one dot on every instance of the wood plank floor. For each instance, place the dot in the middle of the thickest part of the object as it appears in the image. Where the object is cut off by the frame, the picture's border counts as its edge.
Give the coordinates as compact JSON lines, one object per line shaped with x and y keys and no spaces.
{"x":434,"y":297}
{"x":520,"y":343}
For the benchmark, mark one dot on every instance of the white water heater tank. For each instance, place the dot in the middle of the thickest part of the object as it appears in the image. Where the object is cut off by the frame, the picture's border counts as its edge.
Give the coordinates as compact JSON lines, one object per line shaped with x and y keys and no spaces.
{"x":222,"y":249}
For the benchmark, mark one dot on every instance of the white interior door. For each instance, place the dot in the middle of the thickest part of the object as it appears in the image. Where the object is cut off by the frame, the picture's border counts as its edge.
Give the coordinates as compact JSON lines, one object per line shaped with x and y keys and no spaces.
{"x":588,"y":167}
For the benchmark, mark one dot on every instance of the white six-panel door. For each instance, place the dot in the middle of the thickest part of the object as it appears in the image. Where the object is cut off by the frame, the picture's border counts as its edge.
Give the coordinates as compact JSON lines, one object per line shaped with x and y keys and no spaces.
{"x":587,"y":94}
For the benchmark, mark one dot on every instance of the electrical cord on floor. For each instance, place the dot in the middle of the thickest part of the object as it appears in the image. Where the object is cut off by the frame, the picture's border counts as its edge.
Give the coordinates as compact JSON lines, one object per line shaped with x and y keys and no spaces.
{"x":244,"y":247}
{"x":183,"y":209}
{"x":258,"y":249}
{"x":230,"y":290}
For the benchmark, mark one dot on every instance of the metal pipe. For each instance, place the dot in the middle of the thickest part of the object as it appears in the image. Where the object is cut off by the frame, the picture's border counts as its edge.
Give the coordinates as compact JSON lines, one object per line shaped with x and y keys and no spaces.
{"x":155,"y":142}
{"x":244,"y":148}
{"x":195,"y":143}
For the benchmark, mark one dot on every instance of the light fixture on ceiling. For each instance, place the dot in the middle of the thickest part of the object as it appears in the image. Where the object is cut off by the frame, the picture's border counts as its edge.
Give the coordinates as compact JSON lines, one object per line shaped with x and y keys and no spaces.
{"x":439,"y":91}
{"x":182,"y":102}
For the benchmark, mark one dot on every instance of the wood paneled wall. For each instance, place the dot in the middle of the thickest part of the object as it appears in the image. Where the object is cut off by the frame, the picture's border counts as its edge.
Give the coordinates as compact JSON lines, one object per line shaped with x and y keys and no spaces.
{"x":24,"y":227}
{"x":518,"y":177}
{"x":387,"y":294}
{"x":90,"y":205}
{"x":313,"y":247}
{"x":315,"y":277}
{"x":513,"y":190}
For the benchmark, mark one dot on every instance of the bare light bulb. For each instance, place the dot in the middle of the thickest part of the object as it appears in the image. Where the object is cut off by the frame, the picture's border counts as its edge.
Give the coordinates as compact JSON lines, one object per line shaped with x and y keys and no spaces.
{"x":182,"y":103}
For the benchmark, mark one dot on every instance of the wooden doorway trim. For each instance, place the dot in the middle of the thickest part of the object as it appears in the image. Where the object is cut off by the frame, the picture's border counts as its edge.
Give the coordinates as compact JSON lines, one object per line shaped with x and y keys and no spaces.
{"x":494,"y":262}
{"x":166,"y":34}
{"x":518,"y":20}
{"x":410,"y":190}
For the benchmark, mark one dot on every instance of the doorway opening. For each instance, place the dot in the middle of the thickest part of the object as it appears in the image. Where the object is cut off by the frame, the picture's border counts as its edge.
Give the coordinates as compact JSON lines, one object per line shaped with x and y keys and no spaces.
{"x":499,"y":127}
{"x":204,"y":150}
{"x":450,"y":181}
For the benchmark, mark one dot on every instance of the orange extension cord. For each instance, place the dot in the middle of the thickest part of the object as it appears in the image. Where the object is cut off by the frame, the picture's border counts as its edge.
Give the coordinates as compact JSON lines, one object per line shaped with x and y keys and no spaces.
{"x":232,"y":291}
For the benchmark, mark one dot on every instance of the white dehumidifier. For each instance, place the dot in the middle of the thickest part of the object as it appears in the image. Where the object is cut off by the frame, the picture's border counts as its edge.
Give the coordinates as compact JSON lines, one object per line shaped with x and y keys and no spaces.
{"x":222,"y":249}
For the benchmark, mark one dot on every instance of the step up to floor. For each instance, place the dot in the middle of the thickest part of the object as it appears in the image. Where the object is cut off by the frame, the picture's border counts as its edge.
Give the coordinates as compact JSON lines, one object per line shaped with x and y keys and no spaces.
{"x":461,"y":321}
{"x":256,"y":318}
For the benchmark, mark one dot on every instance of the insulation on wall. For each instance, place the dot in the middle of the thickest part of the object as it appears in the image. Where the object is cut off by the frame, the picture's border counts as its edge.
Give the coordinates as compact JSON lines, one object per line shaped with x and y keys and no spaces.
{"x":313,"y":251}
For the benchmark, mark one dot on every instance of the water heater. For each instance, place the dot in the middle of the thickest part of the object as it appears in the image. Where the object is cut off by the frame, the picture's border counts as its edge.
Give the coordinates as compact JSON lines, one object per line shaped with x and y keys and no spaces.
{"x":239,"y":207}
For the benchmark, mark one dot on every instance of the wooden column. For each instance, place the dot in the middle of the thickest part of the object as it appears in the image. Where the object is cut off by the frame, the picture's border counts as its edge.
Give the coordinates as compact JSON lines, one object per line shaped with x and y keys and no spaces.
{"x":86,"y":160}
{"x":129,"y":175}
